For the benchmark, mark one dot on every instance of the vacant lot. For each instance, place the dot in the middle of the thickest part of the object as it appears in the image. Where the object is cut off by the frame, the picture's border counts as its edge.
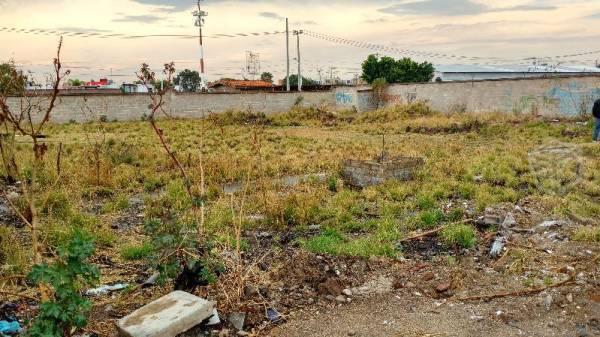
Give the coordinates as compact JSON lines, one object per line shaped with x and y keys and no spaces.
{"x":281,"y":230}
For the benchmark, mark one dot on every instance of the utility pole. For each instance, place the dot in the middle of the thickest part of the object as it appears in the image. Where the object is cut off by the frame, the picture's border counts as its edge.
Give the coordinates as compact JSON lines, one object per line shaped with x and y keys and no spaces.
{"x":287,"y":53}
{"x":200,"y":14}
{"x":297,"y":33}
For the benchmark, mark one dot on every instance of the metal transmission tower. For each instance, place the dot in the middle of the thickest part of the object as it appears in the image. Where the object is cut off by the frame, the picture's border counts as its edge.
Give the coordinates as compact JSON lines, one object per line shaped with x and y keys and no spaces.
{"x":297,"y":33}
{"x":252,"y":64}
{"x":199,"y":15}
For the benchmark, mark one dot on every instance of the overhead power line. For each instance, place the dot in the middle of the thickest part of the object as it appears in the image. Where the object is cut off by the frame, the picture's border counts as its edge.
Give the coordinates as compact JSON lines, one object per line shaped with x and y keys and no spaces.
{"x":41,"y":31}
{"x":484,"y":60}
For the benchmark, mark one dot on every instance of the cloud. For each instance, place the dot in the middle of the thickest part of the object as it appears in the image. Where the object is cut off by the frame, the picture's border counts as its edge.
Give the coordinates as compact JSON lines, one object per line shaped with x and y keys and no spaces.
{"x":271,"y":15}
{"x":307,"y":22}
{"x":593,"y":16}
{"x":523,"y":8}
{"x":453,"y":8}
{"x":169,"y":5}
{"x":80,"y":30}
{"x":138,"y":18}
{"x":275,"y":16}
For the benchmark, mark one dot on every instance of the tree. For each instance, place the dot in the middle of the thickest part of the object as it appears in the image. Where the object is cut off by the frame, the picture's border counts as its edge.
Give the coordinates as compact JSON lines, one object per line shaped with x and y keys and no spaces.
{"x":12,"y":81}
{"x":75,"y":82}
{"x":267,"y":77}
{"x":305,"y":81}
{"x":379,"y":87}
{"x":188,"y":80}
{"x":396,"y":71}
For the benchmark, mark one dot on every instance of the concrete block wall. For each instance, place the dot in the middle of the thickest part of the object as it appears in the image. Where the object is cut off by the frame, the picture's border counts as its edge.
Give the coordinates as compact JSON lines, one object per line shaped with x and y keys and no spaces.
{"x":131,"y":107}
{"x":556,"y":96}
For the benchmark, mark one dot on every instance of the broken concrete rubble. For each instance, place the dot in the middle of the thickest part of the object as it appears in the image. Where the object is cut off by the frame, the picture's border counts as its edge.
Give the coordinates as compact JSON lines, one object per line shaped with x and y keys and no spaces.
{"x":168,"y":316}
{"x":237,"y":319}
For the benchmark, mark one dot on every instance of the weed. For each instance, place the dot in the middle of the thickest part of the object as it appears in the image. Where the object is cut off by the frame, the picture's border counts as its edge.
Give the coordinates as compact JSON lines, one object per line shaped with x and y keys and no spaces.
{"x":56,"y":204}
{"x":332,"y":184}
{"x":334,"y":243}
{"x":13,"y":257}
{"x":66,"y":275}
{"x":431,"y":218}
{"x":460,"y":235}
{"x":587,"y":234}
{"x":137,"y":252}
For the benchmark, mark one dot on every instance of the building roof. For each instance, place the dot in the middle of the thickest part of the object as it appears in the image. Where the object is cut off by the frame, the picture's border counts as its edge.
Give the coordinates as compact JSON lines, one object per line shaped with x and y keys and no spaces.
{"x":242,"y":84}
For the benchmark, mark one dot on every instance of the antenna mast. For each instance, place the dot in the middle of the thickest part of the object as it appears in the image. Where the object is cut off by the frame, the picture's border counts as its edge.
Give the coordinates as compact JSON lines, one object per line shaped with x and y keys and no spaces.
{"x":199,"y":15}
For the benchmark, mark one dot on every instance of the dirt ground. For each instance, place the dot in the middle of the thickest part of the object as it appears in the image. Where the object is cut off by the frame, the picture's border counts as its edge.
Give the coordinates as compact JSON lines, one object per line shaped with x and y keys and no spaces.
{"x":402,"y":313}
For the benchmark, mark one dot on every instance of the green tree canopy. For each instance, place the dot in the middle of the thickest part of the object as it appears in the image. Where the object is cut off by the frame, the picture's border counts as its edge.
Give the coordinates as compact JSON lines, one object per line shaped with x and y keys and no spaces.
{"x":396,"y":71}
{"x":305,"y":81}
{"x":12,"y":81}
{"x":75,"y":82}
{"x":267,"y":77}
{"x":188,"y":80}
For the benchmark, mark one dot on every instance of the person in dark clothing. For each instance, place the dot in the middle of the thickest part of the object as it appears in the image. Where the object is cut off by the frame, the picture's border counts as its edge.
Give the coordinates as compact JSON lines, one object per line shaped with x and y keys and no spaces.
{"x":596,"y":113}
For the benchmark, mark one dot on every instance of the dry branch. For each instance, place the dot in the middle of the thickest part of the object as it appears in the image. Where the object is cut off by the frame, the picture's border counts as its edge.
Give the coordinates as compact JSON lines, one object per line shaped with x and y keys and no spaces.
{"x":525,"y":292}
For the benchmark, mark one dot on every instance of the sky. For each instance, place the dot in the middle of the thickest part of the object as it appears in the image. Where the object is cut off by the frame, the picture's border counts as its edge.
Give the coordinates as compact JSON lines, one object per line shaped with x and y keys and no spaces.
{"x":510,"y":29}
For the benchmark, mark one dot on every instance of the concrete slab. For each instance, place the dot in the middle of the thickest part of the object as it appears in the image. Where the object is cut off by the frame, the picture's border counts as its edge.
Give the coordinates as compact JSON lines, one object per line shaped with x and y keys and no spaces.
{"x":168,"y":316}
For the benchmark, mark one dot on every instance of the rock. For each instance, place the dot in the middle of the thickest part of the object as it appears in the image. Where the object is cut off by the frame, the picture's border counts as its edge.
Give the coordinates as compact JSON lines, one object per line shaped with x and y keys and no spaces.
{"x":224,"y":333}
{"x":492,"y":218}
{"x":428,"y":276}
{"x":509,"y":221}
{"x":351,"y":333}
{"x":341,"y":299}
{"x":331,"y":286}
{"x":12,"y":196}
{"x":497,"y":246}
{"x":476,"y":318}
{"x":347,"y":292}
{"x":409,"y":285}
{"x":443,"y":287}
{"x":549,"y":225}
{"x":273,"y":315}
{"x":250,"y":291}
{"x":570,"y":297}
{"x":581,"y":330}
{"x":242,"y":333}
{"x":214,"y":319}
{"x":151,"y":280}
{"x":314,"y":227}
{"x":106,"y":289}
{"x":166,"y":317}
{"x":237,"y":320}
{"x":548,"y":301}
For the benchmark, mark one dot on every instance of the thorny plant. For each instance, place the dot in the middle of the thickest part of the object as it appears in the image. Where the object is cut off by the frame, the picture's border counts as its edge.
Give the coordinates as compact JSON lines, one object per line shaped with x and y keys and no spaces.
{"x":34,"y":111}
{"x":62,"y":306}
{"x":174,"y":251}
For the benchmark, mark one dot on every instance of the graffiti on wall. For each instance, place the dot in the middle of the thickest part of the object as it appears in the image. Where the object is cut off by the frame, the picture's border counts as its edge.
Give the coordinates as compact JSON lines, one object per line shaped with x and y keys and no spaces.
{"x":574,"y":98}
{"x":343,"y":98}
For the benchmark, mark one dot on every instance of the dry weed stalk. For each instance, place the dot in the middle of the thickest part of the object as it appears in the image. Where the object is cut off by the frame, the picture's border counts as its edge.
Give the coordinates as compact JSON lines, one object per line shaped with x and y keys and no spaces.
{"x":96,"y":139}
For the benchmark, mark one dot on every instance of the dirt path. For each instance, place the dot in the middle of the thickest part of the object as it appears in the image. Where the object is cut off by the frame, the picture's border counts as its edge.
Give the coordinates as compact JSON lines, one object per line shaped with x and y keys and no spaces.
{"x":405,"y":314}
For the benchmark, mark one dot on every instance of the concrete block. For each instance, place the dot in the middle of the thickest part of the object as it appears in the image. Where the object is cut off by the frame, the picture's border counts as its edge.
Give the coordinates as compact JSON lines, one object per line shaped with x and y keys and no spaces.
{"x":168,"y":316}
{"x":363,"y":173}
